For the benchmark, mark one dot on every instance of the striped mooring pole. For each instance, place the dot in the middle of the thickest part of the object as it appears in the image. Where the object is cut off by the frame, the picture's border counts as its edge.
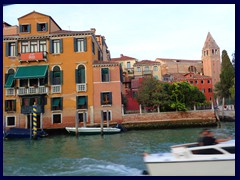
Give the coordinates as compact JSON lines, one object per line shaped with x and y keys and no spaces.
{"x":34,"y":121}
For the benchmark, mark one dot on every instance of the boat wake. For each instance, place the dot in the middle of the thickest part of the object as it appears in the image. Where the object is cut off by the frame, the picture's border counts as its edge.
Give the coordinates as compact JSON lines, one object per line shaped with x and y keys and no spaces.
{"x":79,"y":167}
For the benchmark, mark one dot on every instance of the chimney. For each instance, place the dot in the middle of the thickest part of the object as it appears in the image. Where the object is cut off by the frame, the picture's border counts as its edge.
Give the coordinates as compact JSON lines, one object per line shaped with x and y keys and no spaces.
{"x":93,"y":30}
{"x":121,"y":55}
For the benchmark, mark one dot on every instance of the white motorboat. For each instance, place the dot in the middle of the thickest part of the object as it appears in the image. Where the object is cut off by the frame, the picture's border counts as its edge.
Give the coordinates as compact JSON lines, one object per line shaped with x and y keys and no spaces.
{"x":93,"y":130}
{"x":193,"y":160}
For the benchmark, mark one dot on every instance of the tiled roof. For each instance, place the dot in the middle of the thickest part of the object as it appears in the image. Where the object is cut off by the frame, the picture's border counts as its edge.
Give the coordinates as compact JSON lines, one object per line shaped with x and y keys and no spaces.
{"x":183,"y":76}
{"x":210,"y":42}
{"x":179,"y":60}
{"x":105,"y":63}
{"x":148,"y":62}
{"x":123,"y":58}
{"x":70,"y":32}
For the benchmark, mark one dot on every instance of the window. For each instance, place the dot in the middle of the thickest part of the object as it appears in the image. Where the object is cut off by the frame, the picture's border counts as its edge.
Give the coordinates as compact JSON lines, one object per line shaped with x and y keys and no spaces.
{"x":206,"y":151}
{"x":33,"y":82}
{"x":9,"y":80}
{"x":106,"y":98}
{"x":128,"y":65}
{"x":42,"y":27}
{"x":56,"y":103}
{"x":11,"y":49}
{"x":105,"y":75}
{"x":138,"y":69}
{"x":23,"y":82}
{"x":208,"y":81}
{"x":10,"y":121}
{"x":196,"y":82}
{"x":107,"y":115}
{"x":24,"y":47}
{"x":191,"y":82}
{"x":155,"y":68}
{"x":57,"y":118}
{"x":93,"y":48}
{"x":56,"y":76}
{"x":42,"y":46}
{"x":82,"y":102}
{"x":81,"y":116}
{"x":56,"y":46}
{"x":212,"y":51}
{"x":203,"y":90}
{"x":33,"y":46}
{"x":231,"y":150}
{"x":209,"y":90}
{"x":80,"y":44}
{"x":146,"y":68}
{"x":25,"y":28}
{"x":80,"y":74}
{"x":10,"y":105}
{"x":202,"y":81}
{"x":192,"y":69}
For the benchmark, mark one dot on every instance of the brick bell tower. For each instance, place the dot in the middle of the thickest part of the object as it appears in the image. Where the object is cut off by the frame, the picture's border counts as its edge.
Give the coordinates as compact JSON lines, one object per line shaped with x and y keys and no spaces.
{"x":211,"y":59}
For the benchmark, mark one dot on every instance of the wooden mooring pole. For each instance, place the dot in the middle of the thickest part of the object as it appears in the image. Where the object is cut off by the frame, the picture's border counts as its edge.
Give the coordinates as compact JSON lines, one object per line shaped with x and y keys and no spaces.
{"x":76,"y":124}
{"x":102,"y":119}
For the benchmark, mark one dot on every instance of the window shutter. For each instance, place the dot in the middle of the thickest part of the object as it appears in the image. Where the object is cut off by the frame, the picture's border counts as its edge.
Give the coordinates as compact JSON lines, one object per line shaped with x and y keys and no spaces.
{"x":75,"y":44}
{"x":51,"y":46}
{"x":85,"y":44}
{"x":14,"y":105}
{"x":38,"y":27}
{"x":51,"y":77}
{"x":51,"y":103}
{"x":61,"y":77}
{"x":110,"y":97}
{"x":61,"y":103}
{"x":16,"y":50}
{"x":102,"y":99}
{"x":20,"y":28}
{"x":6,"y":77}
{"x":29,"y":28}
{"x":61,"y":45}
{"x":7,"y":49}
{"x":46,"y":26}
{"x":76,"y":76}
{"x":86,"y":99}
{"x":82,"y":75}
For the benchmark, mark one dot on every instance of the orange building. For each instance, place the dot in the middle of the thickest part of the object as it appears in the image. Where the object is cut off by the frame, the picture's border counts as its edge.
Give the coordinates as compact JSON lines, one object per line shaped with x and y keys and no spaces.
{"x":54,"y":68}
{"x":107,"y":93}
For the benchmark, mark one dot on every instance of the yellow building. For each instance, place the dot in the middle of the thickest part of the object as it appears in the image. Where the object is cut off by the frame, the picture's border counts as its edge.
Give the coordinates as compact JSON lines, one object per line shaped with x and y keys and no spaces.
{"x":53,"y":68}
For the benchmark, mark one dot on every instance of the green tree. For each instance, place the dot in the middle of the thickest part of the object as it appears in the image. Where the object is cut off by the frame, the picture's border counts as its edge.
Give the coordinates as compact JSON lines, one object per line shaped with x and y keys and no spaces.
{"x":226,"y":77}
{"x":233,"y":60}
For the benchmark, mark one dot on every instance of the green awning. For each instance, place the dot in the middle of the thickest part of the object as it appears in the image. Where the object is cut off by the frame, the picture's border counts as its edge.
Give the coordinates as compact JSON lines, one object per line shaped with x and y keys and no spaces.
{"x":81,"y":101}
{"x":9,"y":81}
{"x":31,"y":72}
{"x":56,"y":102}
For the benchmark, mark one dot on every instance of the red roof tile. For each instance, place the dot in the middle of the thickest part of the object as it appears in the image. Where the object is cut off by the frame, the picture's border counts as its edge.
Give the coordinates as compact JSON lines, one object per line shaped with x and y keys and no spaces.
{"x":123,"y":58}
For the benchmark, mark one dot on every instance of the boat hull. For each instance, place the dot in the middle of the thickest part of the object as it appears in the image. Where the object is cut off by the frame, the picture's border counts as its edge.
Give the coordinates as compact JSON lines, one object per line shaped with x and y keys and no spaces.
{"x":92,"y":131}
{"x":192,"y":168}
{"x":22,"y":133}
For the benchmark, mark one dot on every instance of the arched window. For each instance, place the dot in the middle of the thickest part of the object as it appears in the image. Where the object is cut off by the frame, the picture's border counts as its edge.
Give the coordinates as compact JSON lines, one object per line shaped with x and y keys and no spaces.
{"x":192,"y":69}
{"x":80,"y":74}
{"x":56,"y":76}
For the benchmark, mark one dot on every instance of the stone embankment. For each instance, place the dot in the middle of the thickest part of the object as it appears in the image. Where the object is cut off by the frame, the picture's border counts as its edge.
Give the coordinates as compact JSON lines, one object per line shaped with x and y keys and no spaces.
{"x":170,"y":119}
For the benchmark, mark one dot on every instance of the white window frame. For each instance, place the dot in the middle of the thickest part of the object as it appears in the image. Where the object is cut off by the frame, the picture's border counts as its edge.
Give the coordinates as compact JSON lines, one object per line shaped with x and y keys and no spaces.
{"x":6,"y":121}
{"x":56,"y":114}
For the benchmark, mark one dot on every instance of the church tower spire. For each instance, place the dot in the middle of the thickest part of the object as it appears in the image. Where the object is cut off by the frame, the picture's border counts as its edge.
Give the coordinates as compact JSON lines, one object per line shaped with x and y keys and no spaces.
{"x":211,"y":59}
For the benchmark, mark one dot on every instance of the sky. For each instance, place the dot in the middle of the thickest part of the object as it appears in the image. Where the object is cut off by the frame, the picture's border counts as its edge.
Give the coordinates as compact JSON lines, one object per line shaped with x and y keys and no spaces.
{"x":143,"y":31}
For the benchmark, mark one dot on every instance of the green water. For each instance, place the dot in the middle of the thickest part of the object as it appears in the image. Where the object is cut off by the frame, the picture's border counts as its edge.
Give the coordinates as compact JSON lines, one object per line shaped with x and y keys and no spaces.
{"x":110,"y":155}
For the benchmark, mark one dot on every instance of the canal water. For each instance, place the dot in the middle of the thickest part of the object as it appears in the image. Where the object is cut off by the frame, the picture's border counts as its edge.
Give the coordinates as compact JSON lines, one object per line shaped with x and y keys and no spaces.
{"x":110,"y":155}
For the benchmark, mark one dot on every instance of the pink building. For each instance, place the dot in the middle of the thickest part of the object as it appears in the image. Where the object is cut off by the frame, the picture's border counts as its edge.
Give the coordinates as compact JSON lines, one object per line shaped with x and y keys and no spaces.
{"x":107,"y":91}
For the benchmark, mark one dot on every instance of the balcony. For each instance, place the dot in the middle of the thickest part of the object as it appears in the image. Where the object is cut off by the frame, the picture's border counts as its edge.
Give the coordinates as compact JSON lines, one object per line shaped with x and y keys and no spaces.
{"x":36,"y":56}
{"x":32,"y":90}
{"x":56,"y":88}
{"x":147,"y":72}
{"x":81,"y":87}
{"x":29,"y":109}
{"x":10,"y":92}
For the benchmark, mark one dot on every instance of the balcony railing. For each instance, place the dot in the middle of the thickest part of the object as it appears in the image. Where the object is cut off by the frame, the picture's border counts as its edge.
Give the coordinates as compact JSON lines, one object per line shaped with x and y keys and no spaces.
{"x":32,"y":90}
{"x":29,"y":109}
{"x":35,"y":56}
{"x":56,"y":88}
{"x":147,"y":72}
{"x":81,"y":87}
{"x":10,"y":92}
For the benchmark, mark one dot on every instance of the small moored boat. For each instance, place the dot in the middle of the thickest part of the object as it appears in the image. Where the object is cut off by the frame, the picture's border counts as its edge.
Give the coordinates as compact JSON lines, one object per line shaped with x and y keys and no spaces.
{"x":93,"y":130}
{"x":193,"y":160}
{"x":22,"y":133}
